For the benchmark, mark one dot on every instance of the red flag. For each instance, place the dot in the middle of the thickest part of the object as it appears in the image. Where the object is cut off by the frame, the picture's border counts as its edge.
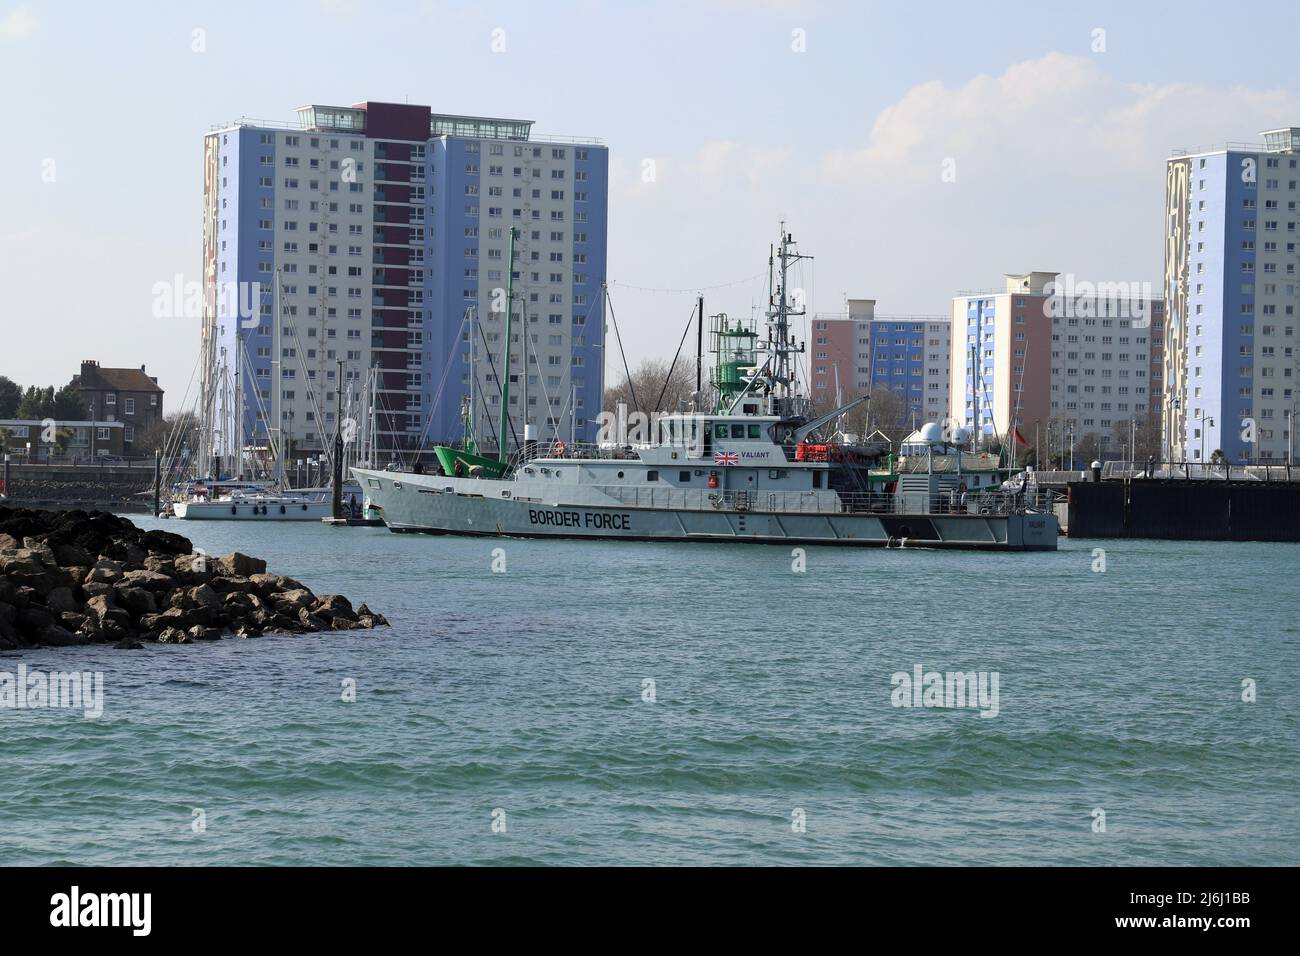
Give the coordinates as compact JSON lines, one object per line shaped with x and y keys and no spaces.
{"x":1019,"y":437}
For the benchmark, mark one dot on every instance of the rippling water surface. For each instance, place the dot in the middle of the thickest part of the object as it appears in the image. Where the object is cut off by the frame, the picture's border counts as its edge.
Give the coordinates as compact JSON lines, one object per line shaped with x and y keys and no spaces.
{"x":521,"y":694}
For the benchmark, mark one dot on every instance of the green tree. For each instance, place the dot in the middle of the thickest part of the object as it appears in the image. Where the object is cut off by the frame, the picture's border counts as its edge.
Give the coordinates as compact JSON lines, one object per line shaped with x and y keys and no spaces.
{"x":159,"y":434}
{"x":1088,"y":450}
{"x":887,"y":413}
{"x":649,"y":381}
{"x":37,"y":403}
{"x":11,"y":396}
{"x":69,"y":406}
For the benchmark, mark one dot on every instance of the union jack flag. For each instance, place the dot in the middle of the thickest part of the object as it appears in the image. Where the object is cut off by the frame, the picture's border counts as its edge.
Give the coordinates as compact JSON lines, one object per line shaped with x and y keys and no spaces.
{"x":726,"y":458}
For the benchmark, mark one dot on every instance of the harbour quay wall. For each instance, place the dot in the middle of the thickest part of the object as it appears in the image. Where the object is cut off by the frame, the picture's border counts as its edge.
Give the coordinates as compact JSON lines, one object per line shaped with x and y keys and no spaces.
{"x":1185,"y":510}
{"x":108,"y":487}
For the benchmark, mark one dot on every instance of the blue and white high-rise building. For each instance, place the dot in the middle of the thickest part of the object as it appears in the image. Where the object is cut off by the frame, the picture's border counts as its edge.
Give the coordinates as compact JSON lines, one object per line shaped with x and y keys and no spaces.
{"x":1232,"y":289}
{"x":389,"y":228}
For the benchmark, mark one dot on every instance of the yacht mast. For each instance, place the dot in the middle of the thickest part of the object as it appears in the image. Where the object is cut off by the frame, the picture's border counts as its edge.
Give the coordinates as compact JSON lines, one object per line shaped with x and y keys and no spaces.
{"x":276,"y":425}
{"x":502,"y":452}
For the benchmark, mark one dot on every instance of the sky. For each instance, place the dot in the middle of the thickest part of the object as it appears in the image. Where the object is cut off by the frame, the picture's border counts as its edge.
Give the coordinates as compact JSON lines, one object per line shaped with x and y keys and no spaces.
{"x":915,"y":150}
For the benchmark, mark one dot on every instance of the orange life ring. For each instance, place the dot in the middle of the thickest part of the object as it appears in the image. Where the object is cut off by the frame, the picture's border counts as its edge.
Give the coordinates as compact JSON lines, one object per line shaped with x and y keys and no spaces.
{"x":559,"y":449}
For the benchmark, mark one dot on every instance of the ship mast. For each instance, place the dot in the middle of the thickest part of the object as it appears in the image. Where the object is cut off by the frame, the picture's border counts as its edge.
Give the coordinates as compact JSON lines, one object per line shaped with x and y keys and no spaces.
{"x":782,"y":370}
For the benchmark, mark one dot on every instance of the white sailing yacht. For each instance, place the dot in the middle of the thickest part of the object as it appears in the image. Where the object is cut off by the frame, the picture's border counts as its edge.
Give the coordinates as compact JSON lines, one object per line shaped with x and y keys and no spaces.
{"x":254,"y":501}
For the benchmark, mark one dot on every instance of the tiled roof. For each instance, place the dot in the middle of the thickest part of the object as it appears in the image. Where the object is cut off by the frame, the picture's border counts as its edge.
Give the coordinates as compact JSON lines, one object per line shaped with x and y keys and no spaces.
{"x":116,"y":379}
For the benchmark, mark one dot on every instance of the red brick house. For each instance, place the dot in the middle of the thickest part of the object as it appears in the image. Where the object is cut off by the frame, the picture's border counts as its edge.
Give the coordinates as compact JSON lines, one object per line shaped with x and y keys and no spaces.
{"x":126,"y":395}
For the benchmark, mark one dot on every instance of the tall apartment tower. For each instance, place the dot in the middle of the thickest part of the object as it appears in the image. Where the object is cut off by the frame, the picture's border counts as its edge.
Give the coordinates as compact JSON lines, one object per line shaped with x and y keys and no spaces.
{"x":866,"y":353}
{"x":389,"y":227}
{"x":1230,"y":279}
{"x":1058,"y":357}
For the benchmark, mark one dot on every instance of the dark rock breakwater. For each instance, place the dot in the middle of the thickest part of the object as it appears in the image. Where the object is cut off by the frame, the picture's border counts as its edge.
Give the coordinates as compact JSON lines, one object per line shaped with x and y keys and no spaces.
{"x":72,"y":577}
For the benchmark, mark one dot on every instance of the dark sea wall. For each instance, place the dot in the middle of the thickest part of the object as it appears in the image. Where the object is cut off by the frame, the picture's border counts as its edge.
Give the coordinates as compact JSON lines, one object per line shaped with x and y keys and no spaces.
{"x":1186,"y":510}
{"x":76,"y":577}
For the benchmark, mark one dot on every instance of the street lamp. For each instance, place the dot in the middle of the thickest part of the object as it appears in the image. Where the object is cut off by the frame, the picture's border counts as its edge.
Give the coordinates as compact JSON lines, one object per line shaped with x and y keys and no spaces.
{"x":1290,"y":433}
{"x":1174,"y":405}
{"x":1204,"y":422}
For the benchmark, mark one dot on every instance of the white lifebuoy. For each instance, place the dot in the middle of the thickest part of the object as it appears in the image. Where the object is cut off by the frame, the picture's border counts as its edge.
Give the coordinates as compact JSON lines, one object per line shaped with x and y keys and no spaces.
{"x":559,"y":449}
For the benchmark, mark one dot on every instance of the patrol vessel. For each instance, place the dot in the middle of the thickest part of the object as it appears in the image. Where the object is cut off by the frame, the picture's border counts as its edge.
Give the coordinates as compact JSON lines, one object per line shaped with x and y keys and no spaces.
{"x":751,"y":470}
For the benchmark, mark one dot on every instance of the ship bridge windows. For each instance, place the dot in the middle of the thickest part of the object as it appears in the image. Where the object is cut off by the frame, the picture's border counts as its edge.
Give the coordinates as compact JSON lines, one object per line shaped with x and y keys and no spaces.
{"x":737,"y":430}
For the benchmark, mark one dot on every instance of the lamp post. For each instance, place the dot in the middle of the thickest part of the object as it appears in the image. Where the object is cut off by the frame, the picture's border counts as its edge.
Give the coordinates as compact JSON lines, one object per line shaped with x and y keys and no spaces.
{"x":1290,"y":433}
{"x":1204,"y":422}
{"x":1174,"y":405}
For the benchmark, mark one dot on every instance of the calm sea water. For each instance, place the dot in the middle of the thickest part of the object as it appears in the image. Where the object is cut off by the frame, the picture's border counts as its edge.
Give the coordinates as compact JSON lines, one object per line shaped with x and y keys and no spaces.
{"x":519,"y":697}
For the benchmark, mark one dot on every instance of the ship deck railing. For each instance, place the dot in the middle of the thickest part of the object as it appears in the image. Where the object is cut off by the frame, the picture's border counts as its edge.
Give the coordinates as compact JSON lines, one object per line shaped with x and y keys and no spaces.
{"x":575,"y":450}
{"x":826,"y":502}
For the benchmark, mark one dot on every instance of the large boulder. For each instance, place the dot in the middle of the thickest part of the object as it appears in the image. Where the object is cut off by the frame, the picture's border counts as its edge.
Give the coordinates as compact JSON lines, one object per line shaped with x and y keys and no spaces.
{"x":369,"y":618}
{"x":41,"y":551}
{"x":160,"y":563}
{"x":239,"y":565}
{"x":95,"y":588}
{"x":72,"y":556}
{"x":57,"y":636}
{"x":204,"y":596}
{"x":33,"y":621}
{"x":295,"y":598}
{"x":60,"y":600}
{"x":136,"y":600}
{"x":8,"y":627}
{"x":193,"y":568}
{"x":105,"y":571}
{"x":164,"y":542}
{"x":264,"y":584}
{"x":128,"y":553}
{"x":149,"y":580}
{"x":20,"y":561}
{"x":226,"y":585}
{"x":173,"y":617}
{"x":101,"y":604}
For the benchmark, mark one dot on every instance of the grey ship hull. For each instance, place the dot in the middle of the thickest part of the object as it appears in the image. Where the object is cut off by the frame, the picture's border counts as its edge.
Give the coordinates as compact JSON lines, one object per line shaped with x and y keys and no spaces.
{"x":466,"y":506}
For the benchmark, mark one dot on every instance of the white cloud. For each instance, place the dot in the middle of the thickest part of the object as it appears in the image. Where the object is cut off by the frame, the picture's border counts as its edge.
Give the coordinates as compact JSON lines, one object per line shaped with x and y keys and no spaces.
{"x":18,"y":25}
{"x":1060,"y":112}
{"x":1059,"y":165}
